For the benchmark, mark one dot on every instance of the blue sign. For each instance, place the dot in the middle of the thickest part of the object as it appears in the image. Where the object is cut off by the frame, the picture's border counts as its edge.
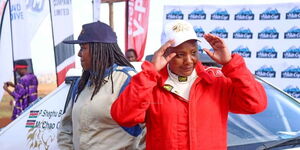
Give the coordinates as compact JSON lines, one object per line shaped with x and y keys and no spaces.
{"x":293,"y":14}
{"x":293,"y":33}
{"x":220,"y":15}
{"x":197,"y":15}
{"x":244,"y":14}
{"x":268,"y":33}
{"x":266,"y":52}
{"x":292,"y":52}
{"x":243,"y":33}
{"x":199,"y":31}
{"x":220,"y":32}
{"x":243,"y":51}
{"x":266,"y":71}
{"x":291,"y":72}
{"x":270,"y":14}
{"x":293,"y":91}
{"x":174,"y":15}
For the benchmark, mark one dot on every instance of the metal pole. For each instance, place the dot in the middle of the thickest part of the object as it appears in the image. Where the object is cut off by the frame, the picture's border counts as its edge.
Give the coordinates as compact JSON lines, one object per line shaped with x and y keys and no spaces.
{"x":53,"y":41}
{"x":111,"y":15}
{"x":12,"y":42}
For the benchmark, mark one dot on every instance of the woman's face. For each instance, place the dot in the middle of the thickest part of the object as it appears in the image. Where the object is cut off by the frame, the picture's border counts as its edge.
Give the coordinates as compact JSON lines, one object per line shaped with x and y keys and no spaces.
{"x":186,"y":58}
{"x":85,"y":56}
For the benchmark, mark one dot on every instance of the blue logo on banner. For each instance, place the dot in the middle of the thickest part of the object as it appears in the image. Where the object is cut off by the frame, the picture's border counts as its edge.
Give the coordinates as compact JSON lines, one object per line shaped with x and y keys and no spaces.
{"x":243,"y":33}
{"x":174,"y":15}
{"x":266,"y":52}
{"x":293,"y":91}
{"x":220,"y":15}
{"x":293,"y":33}
{"x":293,"y":14}
{"x":266,"y":71}
{"x":268,"y":33}
{"x":220,"y":32}
{"x":197,"y":15}
{"x":35,"y":5}
{"x":270,"y":14}
{"x":199,"y":31}
{"x":291,"y":72}
{"x":292,"y":52}
{"x":243,"y":51}
{"x":244,"y":14}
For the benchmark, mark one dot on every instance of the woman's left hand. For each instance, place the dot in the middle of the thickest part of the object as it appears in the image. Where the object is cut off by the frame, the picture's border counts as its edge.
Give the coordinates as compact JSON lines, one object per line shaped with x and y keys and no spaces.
{"x":221,"y":54}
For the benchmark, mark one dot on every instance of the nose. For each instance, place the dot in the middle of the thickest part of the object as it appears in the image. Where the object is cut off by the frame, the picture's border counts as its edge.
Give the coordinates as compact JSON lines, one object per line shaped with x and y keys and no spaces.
{"x":79,"y":53}
{"x":188,"y":59}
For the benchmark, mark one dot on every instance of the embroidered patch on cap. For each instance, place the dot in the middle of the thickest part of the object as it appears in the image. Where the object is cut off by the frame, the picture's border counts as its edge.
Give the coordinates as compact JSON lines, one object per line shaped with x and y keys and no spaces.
{"x":168,"y":87}
{"x":182,"y":79}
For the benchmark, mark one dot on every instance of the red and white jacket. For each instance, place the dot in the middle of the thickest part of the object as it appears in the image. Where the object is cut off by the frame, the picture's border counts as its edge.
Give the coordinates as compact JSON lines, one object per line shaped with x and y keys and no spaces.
{"x":199,"y":123}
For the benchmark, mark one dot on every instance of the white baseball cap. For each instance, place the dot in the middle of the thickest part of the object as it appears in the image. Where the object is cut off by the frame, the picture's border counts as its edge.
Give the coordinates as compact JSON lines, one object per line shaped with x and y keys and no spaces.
{"x":179,"y":31}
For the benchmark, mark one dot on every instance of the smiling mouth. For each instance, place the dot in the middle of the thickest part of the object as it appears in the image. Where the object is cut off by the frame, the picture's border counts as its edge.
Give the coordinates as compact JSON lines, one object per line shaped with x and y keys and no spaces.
{"x":188,"y":68}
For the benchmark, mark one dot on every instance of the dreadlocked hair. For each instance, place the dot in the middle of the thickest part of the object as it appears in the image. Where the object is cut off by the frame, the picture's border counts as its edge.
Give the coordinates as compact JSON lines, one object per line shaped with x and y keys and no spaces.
{"x":104,"y":55}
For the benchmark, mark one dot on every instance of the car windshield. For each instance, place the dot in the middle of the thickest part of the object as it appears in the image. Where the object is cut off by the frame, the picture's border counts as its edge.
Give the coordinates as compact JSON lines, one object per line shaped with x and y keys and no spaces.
{"x":281,"y":120}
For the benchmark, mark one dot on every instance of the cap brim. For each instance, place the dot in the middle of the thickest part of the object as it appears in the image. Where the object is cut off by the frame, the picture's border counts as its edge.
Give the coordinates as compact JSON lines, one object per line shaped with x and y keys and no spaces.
{"x":74,"y":42}
{"x":181,"y":41}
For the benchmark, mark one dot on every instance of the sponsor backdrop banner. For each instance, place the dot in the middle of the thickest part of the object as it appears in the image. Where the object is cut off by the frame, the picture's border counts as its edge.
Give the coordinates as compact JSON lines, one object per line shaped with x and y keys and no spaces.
{"x":267,"y":36}
{"x":137,"y":26}
{"x":62,"y":24}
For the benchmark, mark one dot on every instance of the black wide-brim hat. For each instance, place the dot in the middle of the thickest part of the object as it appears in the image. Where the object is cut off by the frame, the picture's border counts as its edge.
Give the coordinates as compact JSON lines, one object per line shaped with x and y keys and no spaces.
{"x":96,"y":32}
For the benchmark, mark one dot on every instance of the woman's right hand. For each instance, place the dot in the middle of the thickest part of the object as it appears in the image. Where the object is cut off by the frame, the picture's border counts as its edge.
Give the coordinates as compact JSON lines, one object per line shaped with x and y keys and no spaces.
{"x":159,"y":59}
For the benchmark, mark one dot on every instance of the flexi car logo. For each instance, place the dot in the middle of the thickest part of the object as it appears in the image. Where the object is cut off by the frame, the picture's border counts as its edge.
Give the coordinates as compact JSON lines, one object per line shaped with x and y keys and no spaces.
{"x":293,"y":14}
{"x":293,"y":91}
{"x":243,"y":33}
{"x":220,"y":32}
{"x":197,"y":14}
{"x":268,"y":33}
{"x":199,"y":31}
{"x":243,"y":51}
{"x":270,"y":14}
{"x":244,"y":14}
{"x":291,"y":72}
{"x":265,"y":71}
{"x":174,"y":15}
{"x":266,"y":52}
{"x":220,"y":14}
{"x":293,"y":33}
{"x":292,"y":52}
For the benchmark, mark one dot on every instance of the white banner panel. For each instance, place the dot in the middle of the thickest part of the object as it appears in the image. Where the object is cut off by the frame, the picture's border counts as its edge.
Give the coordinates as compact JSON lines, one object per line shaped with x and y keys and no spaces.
{"x":61,"y":19}
{"x":26,"y":16}
{"x":267,"y":36}
{"x":6,"y":67}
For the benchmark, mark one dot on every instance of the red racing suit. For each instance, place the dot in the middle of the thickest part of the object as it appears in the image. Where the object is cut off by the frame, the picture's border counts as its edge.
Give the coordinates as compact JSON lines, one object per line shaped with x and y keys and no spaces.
{"x":199,"y":123}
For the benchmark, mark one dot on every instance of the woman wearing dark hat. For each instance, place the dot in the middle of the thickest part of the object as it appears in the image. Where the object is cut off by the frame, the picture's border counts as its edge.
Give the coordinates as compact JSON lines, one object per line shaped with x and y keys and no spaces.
{"x":25,"y":91}
{"x":87,"y":123}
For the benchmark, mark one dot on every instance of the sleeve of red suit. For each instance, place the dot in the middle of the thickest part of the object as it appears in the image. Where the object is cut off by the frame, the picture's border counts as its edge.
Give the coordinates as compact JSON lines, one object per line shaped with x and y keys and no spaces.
{"x":131,"y":106}
{"x":245,"y":94}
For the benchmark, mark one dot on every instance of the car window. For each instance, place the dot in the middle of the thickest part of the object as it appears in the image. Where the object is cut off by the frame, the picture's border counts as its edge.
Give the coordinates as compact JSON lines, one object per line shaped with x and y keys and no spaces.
{"x":280,"y":120}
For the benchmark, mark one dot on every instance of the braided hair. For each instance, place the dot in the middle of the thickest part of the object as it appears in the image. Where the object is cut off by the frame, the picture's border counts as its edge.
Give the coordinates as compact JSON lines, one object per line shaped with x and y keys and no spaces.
{"x":104,"y":55}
